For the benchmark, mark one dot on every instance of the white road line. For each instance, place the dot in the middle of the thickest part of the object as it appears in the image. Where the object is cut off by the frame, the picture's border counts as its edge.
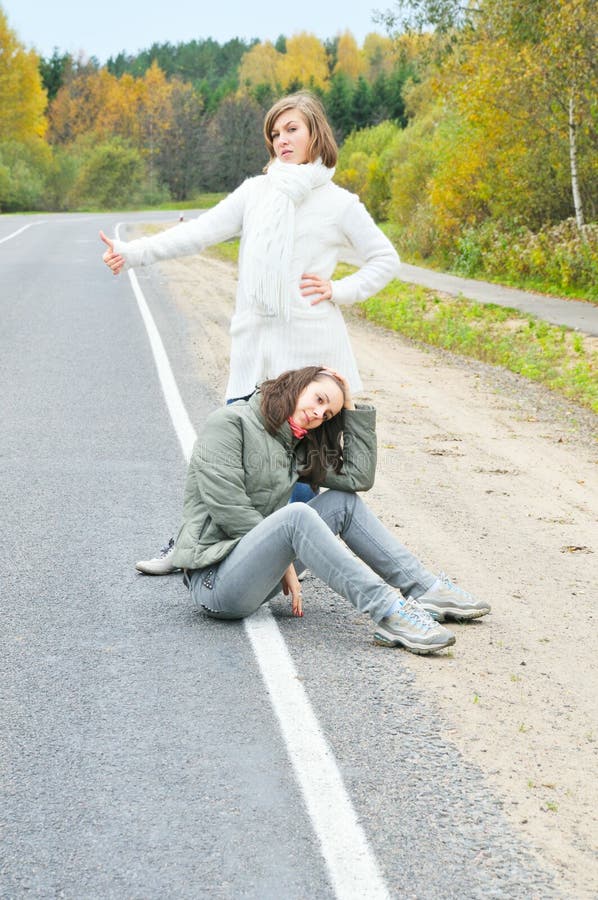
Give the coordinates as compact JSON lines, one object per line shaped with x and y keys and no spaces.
{"x":9,"y":237}
{"x":351,"y":864}
{"x":180,"y":418}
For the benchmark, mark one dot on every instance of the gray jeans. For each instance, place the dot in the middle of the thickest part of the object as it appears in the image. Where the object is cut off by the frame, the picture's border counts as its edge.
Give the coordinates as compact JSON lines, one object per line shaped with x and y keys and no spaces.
{"x":252,"y":572}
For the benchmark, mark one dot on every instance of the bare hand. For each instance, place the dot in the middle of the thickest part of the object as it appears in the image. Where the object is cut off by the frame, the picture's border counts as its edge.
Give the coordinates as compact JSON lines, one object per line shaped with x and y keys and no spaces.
{"x":291,"y":585}
{"x":313,"y":284}
{"x":113,"y":260}
{"x":348,"y":404}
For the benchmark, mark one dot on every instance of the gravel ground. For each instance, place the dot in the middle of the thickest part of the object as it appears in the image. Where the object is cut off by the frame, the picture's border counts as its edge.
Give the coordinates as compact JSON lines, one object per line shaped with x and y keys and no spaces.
{"x":493,"y":479}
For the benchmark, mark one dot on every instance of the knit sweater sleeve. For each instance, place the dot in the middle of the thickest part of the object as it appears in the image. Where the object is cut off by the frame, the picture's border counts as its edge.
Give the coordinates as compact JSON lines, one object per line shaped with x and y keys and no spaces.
{"x":220,"y":223}
{"x":368,"y":246}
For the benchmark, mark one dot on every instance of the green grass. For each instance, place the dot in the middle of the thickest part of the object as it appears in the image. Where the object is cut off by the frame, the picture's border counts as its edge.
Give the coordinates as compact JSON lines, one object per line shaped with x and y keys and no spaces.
{"x":562,"y":360}
{"x":557,"y":357}
{"x":228,"y":251}
{"x":201,"y":201}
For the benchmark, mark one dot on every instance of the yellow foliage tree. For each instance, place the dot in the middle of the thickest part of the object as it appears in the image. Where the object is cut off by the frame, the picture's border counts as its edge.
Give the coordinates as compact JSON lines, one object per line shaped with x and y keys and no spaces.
{"x":22,"y":96}
{"x":349,"y":58}
{"x":96,"y":102}
{"x":260,"y":66}
{"x":526,"y":78}
{"x":304,"y":62}
{"x":83,"y":105}
{"x":379,"y":55}
{"x":155,"y":112}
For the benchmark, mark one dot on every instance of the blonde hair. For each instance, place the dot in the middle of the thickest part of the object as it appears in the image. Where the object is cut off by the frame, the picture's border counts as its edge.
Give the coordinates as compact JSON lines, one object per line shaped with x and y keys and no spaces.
{"x":322,"y":144}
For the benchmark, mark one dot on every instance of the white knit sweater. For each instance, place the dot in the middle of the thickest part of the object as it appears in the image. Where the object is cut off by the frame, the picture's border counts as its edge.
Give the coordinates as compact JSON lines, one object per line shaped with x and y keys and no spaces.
{"x":330,"y":225}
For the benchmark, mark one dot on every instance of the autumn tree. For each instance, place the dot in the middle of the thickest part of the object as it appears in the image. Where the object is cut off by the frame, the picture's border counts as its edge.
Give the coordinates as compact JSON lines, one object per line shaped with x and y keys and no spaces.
{"x":178,"y":152}
{"x":260,"y":66}
{"x":555,"y":43}
{"x":527,"y":72}
{"x":527,"y":76}
{"x":304,"y":63}
{"x":233,"y":148}
{"x":22,"y":97}
{"x":82,"y":105}
{"x":349,"y":58}
{"x":24,"y":155}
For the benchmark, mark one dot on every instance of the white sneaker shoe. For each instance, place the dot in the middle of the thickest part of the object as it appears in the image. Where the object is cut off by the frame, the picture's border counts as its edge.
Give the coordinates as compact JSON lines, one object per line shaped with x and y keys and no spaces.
{"x":448,"y":601}
{"x":413,"y":628}
{"x":161,"y":564}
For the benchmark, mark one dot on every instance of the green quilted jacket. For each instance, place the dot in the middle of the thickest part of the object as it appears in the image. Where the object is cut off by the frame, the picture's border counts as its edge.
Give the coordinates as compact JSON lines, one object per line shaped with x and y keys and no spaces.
{"x":239,"y":474}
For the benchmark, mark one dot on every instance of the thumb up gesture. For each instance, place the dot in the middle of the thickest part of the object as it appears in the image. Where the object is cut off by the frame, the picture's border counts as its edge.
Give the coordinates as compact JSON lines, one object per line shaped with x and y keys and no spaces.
{"x":113,"y":260}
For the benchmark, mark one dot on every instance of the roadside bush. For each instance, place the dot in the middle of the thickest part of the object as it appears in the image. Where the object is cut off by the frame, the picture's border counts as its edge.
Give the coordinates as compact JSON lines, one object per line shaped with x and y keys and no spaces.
{"x":61,"y":179}
{"x":23,"y":171}
{"x":113,"y":174}
{"x":558,"y":257}
{"x":362,"y":166}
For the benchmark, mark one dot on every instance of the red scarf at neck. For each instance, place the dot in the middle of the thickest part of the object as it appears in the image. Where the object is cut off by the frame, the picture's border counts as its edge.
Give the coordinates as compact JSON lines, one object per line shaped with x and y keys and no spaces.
{"x":297,"y":430}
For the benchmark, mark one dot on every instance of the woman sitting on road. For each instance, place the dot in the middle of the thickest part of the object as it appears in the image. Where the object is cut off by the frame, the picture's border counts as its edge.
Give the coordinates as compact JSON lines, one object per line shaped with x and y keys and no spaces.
{"x":241,"y":541}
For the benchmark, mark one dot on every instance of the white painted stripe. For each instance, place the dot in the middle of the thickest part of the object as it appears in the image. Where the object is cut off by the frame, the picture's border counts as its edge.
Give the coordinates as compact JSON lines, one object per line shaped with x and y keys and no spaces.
{"x":9,"y":237}
{"x":353,"y":869}
{"x":178,"y":413}
{"x":352,"y":866}
{"x":180,"y":418}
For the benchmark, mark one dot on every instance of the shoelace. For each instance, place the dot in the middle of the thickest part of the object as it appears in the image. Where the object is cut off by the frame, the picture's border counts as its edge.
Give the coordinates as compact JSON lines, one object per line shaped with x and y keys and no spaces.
{"x":415,"y":614}
{"x":454,"y":587}
{"x":166,"y":550}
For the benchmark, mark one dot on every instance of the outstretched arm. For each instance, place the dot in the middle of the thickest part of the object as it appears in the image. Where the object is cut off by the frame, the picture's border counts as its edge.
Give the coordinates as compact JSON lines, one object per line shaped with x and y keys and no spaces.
{"x":223,"y":221}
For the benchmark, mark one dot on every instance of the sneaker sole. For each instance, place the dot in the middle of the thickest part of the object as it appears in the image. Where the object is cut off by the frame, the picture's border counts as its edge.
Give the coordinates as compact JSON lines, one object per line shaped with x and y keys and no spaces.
{"x":455,"y":615}
{"x":148,"y":570}
{"x":420,"y":649}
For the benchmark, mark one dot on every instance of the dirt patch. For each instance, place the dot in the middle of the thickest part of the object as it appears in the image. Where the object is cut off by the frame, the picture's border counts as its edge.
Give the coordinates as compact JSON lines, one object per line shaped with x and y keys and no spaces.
{"x":496,"y":480}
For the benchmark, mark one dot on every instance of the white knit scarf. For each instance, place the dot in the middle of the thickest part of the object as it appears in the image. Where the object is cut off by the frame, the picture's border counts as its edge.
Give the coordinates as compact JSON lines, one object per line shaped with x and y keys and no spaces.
{"x":270,"y":236}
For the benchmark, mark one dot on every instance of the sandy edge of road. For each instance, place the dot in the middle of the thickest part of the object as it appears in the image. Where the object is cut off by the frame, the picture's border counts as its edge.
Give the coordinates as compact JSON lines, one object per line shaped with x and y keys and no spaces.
{"x":495,"y":480}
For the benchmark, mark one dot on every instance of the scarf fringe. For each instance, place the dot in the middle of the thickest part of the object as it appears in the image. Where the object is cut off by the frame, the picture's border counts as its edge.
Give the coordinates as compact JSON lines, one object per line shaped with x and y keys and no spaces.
{"x":270,"y":293}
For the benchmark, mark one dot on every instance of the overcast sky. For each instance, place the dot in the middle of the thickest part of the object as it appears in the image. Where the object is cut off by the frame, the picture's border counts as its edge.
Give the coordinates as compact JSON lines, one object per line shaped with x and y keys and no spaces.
{"x":103,"y":30}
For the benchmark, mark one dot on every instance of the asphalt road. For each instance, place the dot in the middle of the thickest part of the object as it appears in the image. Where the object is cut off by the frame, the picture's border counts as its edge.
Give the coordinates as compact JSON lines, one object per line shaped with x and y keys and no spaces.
{"x":141,"y":754}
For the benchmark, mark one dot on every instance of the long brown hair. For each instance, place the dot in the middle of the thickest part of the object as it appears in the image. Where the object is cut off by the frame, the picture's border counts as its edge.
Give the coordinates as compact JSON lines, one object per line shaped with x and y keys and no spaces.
{"x":279,"y":400}
{"x":322,"y":143}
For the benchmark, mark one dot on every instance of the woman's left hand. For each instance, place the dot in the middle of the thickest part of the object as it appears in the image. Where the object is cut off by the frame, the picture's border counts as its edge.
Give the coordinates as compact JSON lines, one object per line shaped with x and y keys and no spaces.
{"x":291,"y":585}
{"x":313,"y":284}
{"x":349,"y":402}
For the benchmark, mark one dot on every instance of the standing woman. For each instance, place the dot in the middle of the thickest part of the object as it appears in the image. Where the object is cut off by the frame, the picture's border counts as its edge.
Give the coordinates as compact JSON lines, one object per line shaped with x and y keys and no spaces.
{"x":240,"y":538}
{"x":295,"y":226}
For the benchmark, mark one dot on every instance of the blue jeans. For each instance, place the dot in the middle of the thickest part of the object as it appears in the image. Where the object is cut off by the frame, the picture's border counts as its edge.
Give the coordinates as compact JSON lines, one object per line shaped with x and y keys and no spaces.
{"x":302,"y":493}
{"x":252,"y":572}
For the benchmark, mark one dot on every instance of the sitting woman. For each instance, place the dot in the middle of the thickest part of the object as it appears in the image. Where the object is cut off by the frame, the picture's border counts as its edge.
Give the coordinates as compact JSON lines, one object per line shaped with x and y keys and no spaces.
{"x":241,"y":541}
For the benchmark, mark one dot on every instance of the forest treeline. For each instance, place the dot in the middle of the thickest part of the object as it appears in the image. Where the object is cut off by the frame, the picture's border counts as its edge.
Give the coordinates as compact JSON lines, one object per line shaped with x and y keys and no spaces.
{"x":470,"y":130}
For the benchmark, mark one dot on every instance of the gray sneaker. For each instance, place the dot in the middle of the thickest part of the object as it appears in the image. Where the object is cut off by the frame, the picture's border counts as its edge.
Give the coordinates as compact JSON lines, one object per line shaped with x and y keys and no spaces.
{"x":161,"y":564}
{"x":412,"y":627}
{"x":449,"y":601}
